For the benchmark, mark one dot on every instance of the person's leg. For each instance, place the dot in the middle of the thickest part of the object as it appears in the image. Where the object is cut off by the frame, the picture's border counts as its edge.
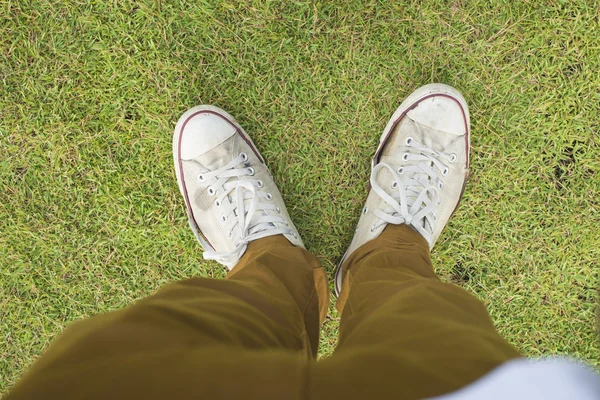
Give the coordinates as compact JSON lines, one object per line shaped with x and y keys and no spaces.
{"x":251,"y":335}
{"x":404,"y":333}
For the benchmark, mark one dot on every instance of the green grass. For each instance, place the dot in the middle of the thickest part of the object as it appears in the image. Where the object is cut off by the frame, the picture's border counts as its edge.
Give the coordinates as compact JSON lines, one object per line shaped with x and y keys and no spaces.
{"x":90,"y":215}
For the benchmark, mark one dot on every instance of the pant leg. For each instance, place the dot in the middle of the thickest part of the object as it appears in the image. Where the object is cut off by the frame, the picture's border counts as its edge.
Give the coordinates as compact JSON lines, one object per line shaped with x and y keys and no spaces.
{"x":248,"y":336}
{"x":405,"y":334}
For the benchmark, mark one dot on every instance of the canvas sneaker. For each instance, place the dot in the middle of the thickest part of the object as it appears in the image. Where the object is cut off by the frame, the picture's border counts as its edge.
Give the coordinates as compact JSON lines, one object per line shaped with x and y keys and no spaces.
{"x":230,"y":196}
{"x":419,"y":170}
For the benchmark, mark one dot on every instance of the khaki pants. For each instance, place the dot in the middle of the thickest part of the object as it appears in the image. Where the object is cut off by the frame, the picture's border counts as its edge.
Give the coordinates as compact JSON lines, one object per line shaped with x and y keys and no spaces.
{"x":403,"y":334}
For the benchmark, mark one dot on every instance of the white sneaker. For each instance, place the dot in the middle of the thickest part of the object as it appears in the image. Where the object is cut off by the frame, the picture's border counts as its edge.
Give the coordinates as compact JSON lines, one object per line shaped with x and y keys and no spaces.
{"x":230,"y":196}
{"x":420,"y":169}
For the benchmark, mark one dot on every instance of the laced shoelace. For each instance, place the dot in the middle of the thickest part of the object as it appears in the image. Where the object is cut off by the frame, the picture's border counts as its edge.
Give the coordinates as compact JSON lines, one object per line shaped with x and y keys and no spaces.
{"x":248,"y":207}
{"x":415,"y":190}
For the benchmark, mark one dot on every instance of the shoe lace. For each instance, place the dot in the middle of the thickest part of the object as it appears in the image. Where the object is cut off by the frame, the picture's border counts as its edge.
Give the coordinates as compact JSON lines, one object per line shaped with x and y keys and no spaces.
{"x":415,"y":190}
{"x":246,"y":205}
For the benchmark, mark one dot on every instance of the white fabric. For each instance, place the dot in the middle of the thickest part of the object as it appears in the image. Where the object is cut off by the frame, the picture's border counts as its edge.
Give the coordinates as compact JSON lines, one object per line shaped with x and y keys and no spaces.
{"x":414,"y":191}
{"x":523,"y":379}
{"x":243,"y":208}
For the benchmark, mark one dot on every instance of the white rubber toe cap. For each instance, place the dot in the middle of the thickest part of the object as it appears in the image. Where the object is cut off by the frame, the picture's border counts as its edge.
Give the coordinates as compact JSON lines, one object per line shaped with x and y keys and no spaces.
{"x":440,"y":113}
{"x":204,"y":132}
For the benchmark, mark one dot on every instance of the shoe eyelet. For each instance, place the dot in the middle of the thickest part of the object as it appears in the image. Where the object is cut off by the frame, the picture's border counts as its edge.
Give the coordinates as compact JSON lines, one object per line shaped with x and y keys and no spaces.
{"x":211,"y":191}
{"x":405,"y":157}
{"x":408,"y":141}
{"x":278,"y":209}
{"x":394,"y":184}
{"x":244,"y":156}
{"x":445,"y":172}
{"x":400,"y":171}
{"x":286,"y":223}
{"x":269,"y":196}
{"x":452,"y":158}
{"x":373,"y":228}
{"x":217,"y":203}
{"x":440,"y":185}
{"x":260,"y":184}
{"x":251,"y":171}
{"x":201,"y":177}
{"x":223,"y":218}
{"x":364,"y":211}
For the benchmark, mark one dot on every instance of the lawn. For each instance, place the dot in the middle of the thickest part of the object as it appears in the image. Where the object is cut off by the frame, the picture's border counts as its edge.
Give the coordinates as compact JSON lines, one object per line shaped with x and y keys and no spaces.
{"x":90,"y":215}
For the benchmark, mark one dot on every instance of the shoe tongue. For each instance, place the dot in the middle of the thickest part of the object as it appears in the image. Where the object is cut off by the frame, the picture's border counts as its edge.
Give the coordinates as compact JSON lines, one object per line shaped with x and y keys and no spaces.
{"x":384,"y":175}
{"x":203,"y":133}
{"x":218,"y":156}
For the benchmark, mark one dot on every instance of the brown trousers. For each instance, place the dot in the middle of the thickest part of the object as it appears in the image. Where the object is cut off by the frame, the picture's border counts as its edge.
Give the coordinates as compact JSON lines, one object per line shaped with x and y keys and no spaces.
{"x":404,"y":334}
